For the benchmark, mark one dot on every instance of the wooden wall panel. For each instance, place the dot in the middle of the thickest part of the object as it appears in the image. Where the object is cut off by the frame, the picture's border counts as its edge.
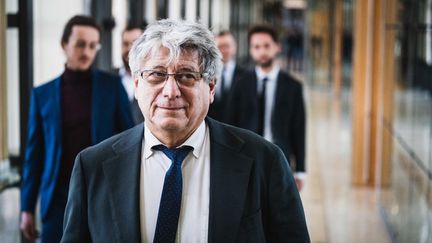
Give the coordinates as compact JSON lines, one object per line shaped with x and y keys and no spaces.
{"x":373,"y":80}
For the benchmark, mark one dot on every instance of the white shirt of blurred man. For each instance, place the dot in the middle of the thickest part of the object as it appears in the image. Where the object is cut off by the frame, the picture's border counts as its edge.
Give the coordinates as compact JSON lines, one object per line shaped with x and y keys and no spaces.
{"x":227,"y":46}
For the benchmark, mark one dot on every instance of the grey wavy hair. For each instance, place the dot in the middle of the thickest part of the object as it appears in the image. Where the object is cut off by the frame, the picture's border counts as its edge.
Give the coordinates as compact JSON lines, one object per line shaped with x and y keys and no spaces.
{"x":177,"y":36}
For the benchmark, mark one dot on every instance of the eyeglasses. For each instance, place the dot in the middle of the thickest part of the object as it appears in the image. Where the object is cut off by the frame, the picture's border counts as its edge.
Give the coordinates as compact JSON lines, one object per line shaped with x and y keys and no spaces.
{"x":183,"y":78}
{"x":93,"y":46}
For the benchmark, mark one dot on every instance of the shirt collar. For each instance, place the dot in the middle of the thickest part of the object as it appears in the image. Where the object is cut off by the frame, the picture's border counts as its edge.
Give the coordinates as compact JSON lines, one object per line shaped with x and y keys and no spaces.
{"x":230,"y":65}
{"x":196,"y":141}
{"x":272,"y":75}
{"x":123,"y":72}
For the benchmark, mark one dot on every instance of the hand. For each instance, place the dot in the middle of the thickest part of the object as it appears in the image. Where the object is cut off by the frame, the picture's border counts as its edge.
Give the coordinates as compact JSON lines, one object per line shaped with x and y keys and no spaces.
{"x":299,"y":182}
{"x":28,"y":226}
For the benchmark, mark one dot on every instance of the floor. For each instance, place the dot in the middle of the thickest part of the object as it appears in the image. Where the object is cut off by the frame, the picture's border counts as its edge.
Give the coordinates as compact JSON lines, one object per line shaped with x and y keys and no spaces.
{"x":336,"y":211}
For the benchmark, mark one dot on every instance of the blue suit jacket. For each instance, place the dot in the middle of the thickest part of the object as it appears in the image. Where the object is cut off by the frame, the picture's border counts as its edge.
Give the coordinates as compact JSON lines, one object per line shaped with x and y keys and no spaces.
{"x":110,"y":115}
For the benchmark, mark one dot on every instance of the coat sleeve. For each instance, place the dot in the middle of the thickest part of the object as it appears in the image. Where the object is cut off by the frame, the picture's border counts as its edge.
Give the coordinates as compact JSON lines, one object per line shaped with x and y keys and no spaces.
{"x":34,"y":157}
{"x":286,"y":216}
{"x":299,"y":130}
{"x":123,"y":109}
{"x":75,"y":224}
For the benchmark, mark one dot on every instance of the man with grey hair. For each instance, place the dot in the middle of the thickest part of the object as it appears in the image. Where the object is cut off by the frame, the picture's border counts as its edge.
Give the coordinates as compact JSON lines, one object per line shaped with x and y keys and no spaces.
{"x":181,"y":177}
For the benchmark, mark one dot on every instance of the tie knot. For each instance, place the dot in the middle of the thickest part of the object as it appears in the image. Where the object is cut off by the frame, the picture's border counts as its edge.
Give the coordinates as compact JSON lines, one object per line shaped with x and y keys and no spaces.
{"x":176,"y":155}
{"x":265,"y":79}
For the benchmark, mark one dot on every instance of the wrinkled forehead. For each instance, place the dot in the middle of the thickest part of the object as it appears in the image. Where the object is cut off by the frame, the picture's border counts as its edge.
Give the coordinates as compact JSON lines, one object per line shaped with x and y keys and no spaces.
{"x":165,"y":57}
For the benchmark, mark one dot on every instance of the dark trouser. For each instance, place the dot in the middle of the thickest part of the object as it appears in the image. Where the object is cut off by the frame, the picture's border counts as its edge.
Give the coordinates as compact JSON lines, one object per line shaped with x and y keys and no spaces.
{"x":52,"y":224}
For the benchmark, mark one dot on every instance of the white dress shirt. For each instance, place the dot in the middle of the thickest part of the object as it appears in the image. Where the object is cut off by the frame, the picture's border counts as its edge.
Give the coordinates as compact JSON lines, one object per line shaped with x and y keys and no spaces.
{"x":228,"y":74}
{"x":270,"y":97}
{"x":127,"y":82}
{"x":194,"y":212}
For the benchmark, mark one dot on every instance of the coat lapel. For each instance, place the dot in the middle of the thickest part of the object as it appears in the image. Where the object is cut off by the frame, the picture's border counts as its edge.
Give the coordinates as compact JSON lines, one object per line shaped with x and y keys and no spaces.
{"x":97,"y":102}
{"x":229,"y":177}
{"x":56,"y":107}
{"x":123,"y":177}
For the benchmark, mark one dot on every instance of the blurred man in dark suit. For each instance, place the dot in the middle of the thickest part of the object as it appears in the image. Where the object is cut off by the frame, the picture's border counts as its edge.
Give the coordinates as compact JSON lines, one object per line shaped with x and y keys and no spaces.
{"x":269,"y":101}
{"x":231,"y":72}
{"x":129,"y":35}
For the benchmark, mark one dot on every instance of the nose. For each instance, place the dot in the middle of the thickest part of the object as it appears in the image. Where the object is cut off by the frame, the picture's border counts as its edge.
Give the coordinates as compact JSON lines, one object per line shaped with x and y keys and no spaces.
{"x":87,"y":51}
{"x":171,"y":89}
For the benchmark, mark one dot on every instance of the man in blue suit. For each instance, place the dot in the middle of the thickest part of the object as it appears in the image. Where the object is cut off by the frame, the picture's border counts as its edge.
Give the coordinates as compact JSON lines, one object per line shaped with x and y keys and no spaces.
{"x":80,"y":108}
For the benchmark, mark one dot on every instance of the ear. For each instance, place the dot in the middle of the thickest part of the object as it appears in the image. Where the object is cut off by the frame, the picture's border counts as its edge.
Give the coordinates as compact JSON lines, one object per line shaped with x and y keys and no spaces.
{"x":279,"y":47}
{"x":135,"y":80}
{"x":212,"y":90}
{"x":63,"y":45}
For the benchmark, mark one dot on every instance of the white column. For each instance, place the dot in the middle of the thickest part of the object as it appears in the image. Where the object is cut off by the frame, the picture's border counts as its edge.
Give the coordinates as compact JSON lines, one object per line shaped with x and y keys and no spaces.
{"x":174,"y":9}
{"x":150,"y":11}
{"x":12,"y":83}
{"x":429,"y":32}
{"x":191,"y":9}
{"x":119,"y":11}
{"x":220,"y":15}
{"x":50,"y":17}
{"x":204,"y":12}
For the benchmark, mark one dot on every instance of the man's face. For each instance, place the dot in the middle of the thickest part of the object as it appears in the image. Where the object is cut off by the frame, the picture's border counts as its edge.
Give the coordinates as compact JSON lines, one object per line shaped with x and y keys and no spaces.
{"x":263,"y":49}
{"x":81,"y":48}
{"x":128,"y":37}
{"x":227,"y":47}
{"x":170,"y":107}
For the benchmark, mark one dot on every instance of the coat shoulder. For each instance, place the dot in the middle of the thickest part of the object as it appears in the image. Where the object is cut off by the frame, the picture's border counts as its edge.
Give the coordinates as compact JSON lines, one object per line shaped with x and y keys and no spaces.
{"x":109,"y":147}
{"x":243,"y":140}
{"x":289,"y":79}
{"x":47,"y":86}
{"x":107,"y":76}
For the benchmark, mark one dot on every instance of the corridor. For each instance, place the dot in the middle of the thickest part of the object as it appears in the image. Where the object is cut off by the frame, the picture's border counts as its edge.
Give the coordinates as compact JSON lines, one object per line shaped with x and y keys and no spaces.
{"x":336,"y":211}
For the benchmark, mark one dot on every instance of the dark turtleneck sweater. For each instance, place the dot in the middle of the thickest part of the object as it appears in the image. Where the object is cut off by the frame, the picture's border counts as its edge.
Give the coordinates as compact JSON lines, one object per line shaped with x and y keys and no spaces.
{"x":76,"y":104}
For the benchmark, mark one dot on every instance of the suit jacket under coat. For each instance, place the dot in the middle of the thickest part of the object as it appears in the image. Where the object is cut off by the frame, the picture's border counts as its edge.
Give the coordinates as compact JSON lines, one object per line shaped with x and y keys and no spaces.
{"x":110,"y":115}
{"x":253,"y":196}
{"x":288,"y":118}
{"x":218,"y":109}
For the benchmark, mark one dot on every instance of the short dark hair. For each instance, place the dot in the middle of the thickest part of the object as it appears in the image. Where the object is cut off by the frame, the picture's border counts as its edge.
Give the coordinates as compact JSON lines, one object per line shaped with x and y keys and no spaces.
{"x":78,"y":20}
{"x":132,"y":26}
{"x":224,"y":32}
{"x":266,"y":29}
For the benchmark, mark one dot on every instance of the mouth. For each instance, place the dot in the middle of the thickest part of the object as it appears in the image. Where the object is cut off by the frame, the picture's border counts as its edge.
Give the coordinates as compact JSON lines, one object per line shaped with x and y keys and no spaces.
{"x":170,"y":108}
{"x":84,"y":59}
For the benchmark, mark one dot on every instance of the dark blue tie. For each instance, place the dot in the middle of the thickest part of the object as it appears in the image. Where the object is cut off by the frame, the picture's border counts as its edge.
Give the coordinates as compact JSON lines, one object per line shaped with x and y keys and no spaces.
{"x":169,"y":207}
{"x":261,"y":107}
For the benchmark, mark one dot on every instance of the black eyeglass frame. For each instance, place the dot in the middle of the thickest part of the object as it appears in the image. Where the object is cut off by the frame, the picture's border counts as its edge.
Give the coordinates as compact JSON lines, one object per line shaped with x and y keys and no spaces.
{"x":196,"y":76}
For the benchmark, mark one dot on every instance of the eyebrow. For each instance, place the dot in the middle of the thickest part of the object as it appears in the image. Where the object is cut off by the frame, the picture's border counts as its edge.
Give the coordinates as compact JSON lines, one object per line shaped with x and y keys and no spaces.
{"x":187,"y":68}
{"x":181,"y":67}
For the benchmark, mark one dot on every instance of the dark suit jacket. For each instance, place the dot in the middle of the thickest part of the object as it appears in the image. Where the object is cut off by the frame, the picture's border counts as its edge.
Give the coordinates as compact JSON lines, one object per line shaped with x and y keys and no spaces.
{"x":288,"y":119}
{"x":253,"y":196}
{"x":218,"y":109}
{"x":137,"y":115}
{"x":110,"y":115}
